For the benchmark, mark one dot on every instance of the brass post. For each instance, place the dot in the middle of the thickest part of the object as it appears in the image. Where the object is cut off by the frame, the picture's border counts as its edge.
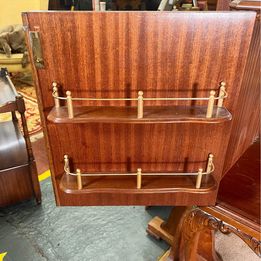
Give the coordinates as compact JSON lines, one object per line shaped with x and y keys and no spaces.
{"x":138,"y":178}
{"x":66,"y":163}
{"x":69,"y":104}
{"x":55,"y":93}
{"x":79,"y":179}
{"x":140,"y":104}
{"x":210,"y":104}
{"x":210,"y":161}
{"x":222,"y":90}
{"x":199,"y":178}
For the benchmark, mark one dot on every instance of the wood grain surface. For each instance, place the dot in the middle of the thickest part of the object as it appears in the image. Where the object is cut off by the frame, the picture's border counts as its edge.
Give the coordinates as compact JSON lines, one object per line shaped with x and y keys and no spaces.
{"x":164,"y":54}
{"x":246,"y":119}
{"x":117,"y":54}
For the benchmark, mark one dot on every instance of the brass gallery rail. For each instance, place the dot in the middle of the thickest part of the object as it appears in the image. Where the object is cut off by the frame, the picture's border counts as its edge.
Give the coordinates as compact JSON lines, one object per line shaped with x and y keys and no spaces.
{"x":140,"y":100}
{"x":209,"y":169}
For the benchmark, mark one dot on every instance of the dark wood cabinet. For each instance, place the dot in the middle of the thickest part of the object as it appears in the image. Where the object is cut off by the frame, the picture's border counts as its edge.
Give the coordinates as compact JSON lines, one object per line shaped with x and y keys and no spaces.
{"x":138,"y":106}
{"x":18,"y":174}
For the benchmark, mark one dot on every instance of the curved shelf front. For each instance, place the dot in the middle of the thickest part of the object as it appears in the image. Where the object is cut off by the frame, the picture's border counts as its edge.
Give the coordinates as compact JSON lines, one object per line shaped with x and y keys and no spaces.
{"x":152,"y":114}
{"x":127,"y":184}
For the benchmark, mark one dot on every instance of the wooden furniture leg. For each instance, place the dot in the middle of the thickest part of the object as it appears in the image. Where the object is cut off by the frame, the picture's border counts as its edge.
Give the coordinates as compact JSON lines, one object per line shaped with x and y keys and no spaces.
{"x":190,"y":232}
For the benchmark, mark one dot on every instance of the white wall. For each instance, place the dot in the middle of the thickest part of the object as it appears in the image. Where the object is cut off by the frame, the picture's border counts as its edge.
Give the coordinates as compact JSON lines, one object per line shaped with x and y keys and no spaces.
{"x":10,"y":10}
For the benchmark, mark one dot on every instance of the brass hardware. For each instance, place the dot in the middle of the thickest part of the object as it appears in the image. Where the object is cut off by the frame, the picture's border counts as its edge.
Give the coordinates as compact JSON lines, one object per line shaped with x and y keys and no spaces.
{"x":210,"y":162}
{"x":37,"y":49}
{"x":210,"y":104}
{"x":55,"y":95}
{"x":66,"y":164}
{"x":69,"y":104}
{"x":79,"y":179}
{"x":222,"y":92}
{"x":199,"y":178}
{"x":210,"y":169}
{"x":140,"y":105}
{"x":138,"y":178}
{"x":140,"y":99}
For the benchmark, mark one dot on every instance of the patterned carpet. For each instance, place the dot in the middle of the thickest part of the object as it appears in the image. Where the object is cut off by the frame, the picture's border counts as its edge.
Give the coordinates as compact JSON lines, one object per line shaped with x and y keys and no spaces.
{"x":32,"y":113}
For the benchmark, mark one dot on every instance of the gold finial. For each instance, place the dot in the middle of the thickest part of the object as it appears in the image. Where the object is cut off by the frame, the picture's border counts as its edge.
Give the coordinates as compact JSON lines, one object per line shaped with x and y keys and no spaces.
{"x":138,"y":178}
{"x":79,"y":179}
{"x":69,"y":104}
{"x":210,"y":104}
{"x":199,"y":178}
{"x":140,"y":105}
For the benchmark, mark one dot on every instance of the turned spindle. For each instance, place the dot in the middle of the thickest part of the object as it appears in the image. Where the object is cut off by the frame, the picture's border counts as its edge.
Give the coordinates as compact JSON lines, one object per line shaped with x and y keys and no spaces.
{"x":79,"y":179}
{"x":55,"y":94}
{"x":140,"y":104}
{"x":66,"y":164}
{"x":199,"y":178}
{"x":222,"y":91}
{"x":138,"y":178}
{"x":69,"y":104}
{"x":210,"y":104}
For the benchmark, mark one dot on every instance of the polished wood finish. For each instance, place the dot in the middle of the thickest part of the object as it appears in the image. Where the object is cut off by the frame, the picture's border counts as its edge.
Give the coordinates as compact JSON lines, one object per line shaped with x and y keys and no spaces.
{"x":16,"y":185}
{"x":18,"y":175}
{"x":117,"y":54}
{"x":151,"y":114}
{"x":244,"y":199}
{"x":139,"y":59}
{"x":246,"y":120}
{"x":238,"y":206}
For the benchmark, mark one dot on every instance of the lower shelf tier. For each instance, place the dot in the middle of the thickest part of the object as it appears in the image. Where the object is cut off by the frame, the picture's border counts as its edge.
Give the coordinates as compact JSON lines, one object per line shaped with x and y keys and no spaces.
{"x":127,"y":184}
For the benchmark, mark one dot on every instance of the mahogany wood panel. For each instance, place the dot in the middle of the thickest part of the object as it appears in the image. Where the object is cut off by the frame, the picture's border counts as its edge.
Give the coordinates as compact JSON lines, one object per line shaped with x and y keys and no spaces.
{"x":246,"y":119}
{"x":98,"y":147}
{"x":106,"y":147}
{"x":15,"y":185}
{"x":116,"y":54}
{"x":244,"y":198}
{"x":164,"y":54}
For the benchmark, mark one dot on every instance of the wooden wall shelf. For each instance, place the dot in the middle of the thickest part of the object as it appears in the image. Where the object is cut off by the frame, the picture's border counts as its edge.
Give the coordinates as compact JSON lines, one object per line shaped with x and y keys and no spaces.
{"x":152,"y":114}
{"x":128,"y":184}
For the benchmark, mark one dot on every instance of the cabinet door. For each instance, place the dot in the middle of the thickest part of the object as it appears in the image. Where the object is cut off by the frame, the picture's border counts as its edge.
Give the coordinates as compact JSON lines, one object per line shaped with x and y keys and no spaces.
{"x":107,"y":55}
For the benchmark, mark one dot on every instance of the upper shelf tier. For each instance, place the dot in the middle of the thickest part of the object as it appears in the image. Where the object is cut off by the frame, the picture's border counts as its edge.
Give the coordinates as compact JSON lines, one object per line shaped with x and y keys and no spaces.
{"x":152,"y":114}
